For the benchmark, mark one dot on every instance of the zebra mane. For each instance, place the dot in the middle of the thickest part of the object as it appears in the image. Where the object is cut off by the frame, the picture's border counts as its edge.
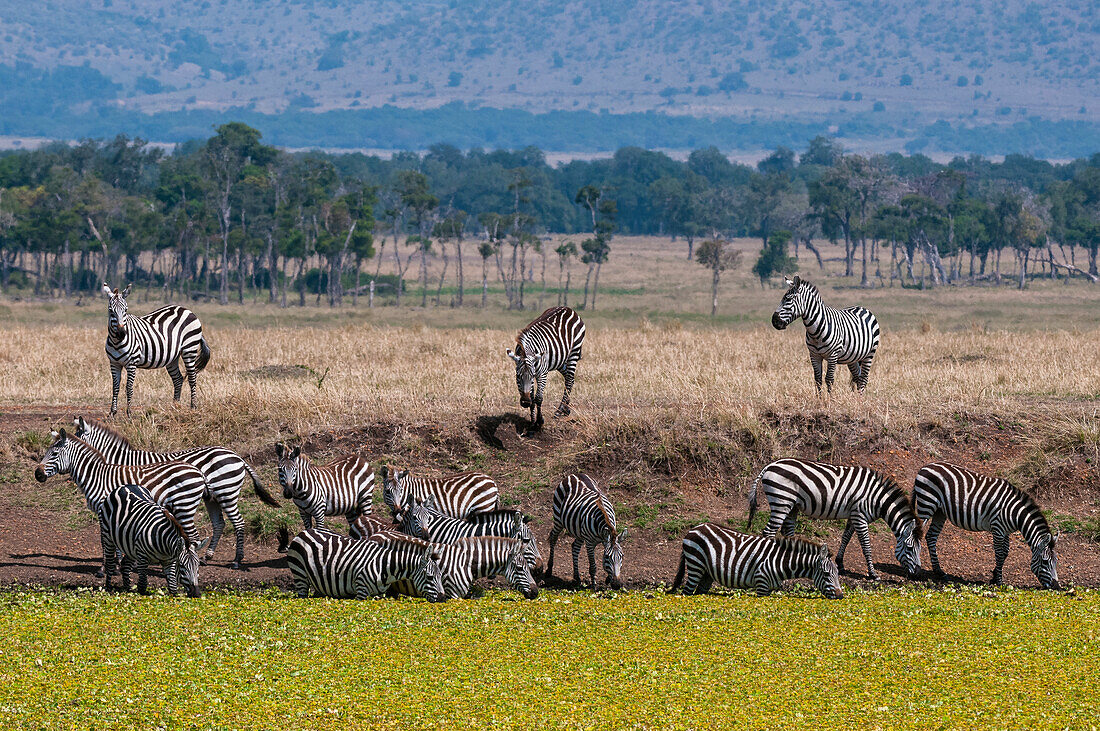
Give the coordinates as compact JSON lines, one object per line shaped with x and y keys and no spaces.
{"x":531,"y":325}
{"x":95,"y":452}
{"x":600,"y":497}
{"x":111,"y":431}
{"x":800,"y":283}
{"x":895,"y":492}
{"x":175,"y":524}
{"x":800,"y":545}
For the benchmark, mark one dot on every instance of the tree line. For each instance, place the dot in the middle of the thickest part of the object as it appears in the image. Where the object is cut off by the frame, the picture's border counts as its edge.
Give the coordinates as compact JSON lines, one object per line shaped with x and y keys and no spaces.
{"x":229,"y":216}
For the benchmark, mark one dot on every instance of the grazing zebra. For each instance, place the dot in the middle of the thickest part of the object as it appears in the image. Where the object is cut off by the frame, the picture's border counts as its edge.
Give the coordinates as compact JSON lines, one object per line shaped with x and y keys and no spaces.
{"x":740,"y":561}
{"x":583,"y":511}
{"x":423,"y":520}
{"x":365,"y":526}
{"x":344,"y":487}
{"x":469,"y":559}
{"x":130,"y":521}
{"x":335,"y":566}
{"x":159,"y":339}
{"x":225,"y":473}
{"x":977,"y":502}
{"x":458,"y":496}
{"x":856,"y":494}
{"x":848,"y":336}
{"x":551,"y":342}
{"x":177,"y":486}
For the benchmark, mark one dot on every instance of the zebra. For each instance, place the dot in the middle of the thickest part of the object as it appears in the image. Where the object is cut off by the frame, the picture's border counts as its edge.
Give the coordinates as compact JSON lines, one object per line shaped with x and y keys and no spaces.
{"x":551,"y":342}
{"x":849,"y":336}
{"x":856,"y":494}
{"x":159,"y":339}
{"x":978,"y":502}
{"x":583,"y":511}
{"x":344,"y":487}
{"x":741,"y":561}
{"x":336,"y":566}
{"x":225,"y":473}
{"x":469,"y":559}
{"x":422,"y":519}
{"x":132,"y":523}
{"x":459,"y":496}
{"x":178,"y":486}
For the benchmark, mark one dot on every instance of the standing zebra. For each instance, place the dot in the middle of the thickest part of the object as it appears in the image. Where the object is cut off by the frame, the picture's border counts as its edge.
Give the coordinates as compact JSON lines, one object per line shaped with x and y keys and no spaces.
{"x":458,"y":496}
{"x":551,"y":342}
{"x":977,"y":502}
{"x":177,"y":486}
{"x":740,"y":561}
{"x":583,"y":511}
{"x":423,"y":520}
{"x":335,"y":566}
{"x":478,"y":557}
{"x":131,"y":522}
{"x":344,"y":487}
{"x":856,"y":494}
{"x":849,"y":336}
{"x":225,"y":473}
{"x":160,"y":339}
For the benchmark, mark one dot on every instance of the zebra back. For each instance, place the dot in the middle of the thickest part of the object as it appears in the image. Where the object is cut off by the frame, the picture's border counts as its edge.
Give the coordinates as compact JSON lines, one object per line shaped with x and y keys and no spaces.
{"x":345,"y":486}
{"x":557,"y":333}
{"x":853,"y":331}
{"x":459,"y":495}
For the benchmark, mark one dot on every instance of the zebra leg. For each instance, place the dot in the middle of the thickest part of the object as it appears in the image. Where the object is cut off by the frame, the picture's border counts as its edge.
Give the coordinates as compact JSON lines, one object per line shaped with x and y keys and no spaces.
{"x":173,"y":369}
{"x":830,"y":372}
{"x":763,"y":585}
{"x":307,"y":518}
{"x":555,"y":533}
{"x":131,"y":371}
{"x":931,"y":537}
{"x":1000,"y":552}
{"x":864,"y":372}
{"x":217,"y":522}
{"x":568,"y":372}
{"x":127,"y":567}
{"x":865,"y":542}
{"x":776,"y":518}
{"x":233,"y":513}
{"x":171,"y":576}
{"x":301,"y":588}
{"x":856,"y":370}
{"x":849,"y":529}
{"x":790,"y":523}
{"x":116,"y":381}
{"x":109,"y":557}
{"x":319,"y":517}
{"x":576,"y":561}
{"x":143,"y":574}
{"x":815,"y":362}
{"x":192,"y":374}
{"x":591,"y":547}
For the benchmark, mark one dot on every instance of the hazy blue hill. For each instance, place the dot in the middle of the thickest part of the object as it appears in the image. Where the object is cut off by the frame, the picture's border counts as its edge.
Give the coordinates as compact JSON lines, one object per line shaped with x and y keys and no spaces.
{"x":897,"y":66}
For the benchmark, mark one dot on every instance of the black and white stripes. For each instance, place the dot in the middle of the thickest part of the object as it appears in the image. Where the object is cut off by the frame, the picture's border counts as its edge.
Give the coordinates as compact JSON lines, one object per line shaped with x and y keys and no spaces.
{"x":583,"y":511}
{"x":160,"y":339}
{"x":849,"y":336}
{"x":857,"y":495}
{"x":551,"y":342}
{"x":459,"y":496}
{"x":977,"y":502}
{"x":712,"y":553}
{"x":344,"y":487}
{"x":130,"y":522}
{"x":423,"y":520}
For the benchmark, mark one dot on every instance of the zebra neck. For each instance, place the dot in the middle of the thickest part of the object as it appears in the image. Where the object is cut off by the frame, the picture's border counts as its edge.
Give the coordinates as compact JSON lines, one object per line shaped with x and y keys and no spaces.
{"x":1033,"y":526}
{"x":90,"y":475}
{"x":815,"y":316}
{"x":490,"y":560}
{"x":894,"y":509}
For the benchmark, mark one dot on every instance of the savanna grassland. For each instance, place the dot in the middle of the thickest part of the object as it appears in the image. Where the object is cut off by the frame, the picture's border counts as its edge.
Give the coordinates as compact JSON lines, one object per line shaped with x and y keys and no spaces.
{"x":674,"y":413}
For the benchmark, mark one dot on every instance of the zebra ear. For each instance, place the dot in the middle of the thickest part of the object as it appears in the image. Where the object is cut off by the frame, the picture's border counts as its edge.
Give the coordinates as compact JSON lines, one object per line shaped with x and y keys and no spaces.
{"x":429,"y":502}
{"x":62,"y":433}
{"x":107,"y":289}
{"x":622,"y":534}
{"x":513,"y":356}
{"x":295,"y":452}
{"x":384,"y":471}
{"x":797,"y":281}
{"x":279,"y":449}
{"x":126,"y":292}
{"x":788,"y":281}
{"x":54,"y":435}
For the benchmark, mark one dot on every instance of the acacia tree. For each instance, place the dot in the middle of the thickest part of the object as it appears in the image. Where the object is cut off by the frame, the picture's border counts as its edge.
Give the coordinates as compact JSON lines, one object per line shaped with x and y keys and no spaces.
{"x":717,"y":255}
{"x":596,"y":249}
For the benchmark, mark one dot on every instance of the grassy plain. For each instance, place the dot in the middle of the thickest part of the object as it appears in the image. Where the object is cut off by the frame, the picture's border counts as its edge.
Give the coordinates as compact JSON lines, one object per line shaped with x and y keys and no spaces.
{"x":907,"y":658}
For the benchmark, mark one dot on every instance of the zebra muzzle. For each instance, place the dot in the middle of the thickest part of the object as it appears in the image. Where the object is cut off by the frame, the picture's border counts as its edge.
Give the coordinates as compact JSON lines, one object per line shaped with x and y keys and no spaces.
{"x":777,"y":322}
{"x":40,"y":474}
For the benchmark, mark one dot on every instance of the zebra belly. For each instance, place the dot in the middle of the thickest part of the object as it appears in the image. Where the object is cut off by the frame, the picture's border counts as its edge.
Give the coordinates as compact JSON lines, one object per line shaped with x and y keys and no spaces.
{"x":845,"y":355}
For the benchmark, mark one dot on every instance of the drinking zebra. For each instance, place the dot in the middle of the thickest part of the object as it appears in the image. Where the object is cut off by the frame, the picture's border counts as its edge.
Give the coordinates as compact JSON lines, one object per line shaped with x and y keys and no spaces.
{"x":364,"y":526}
{"x":857,"y":495}
{"x":159,"y":339}
{"x":849,"y":336}
{"x":583,"y":511}
{"x":458,"y":496}
{"x":739,"y":561}
{"x":335,"y":566}
{"x":344,"y":487}
{"x":177,"y":486}
{"x":423,"y":520}
{"x":978,"y":502}
{"x":132,"y":523}
{"x":551,"y":342}
{"x":224,"y":469}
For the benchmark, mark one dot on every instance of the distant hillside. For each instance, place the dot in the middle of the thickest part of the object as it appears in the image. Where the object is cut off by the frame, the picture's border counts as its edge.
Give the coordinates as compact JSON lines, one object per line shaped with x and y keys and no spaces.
{"x":901,"y":66}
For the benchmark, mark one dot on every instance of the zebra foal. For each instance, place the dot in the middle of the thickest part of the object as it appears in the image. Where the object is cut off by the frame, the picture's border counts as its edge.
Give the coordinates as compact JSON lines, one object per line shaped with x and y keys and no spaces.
{"x":132,"y":523}
{"x":857,"y":495}
{"x":712,"y":553}
{"x":159,"y":339}
{"x":977,"y":502}
{"x":583,"y":511}
{"x":344,"y":487}
{"x":459,"y":496}
{"x":550,"y":342}
{"x":848,"y":336}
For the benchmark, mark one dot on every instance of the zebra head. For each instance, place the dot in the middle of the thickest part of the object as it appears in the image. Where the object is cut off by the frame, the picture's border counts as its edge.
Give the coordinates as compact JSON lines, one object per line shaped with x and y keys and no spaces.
{"x":792,"y":306}
{"x":58,"y":458}
{"x":825,"y":575}
{"x":428,"y":577}
{"x":521,"y":531}
{"x":188,"y":566}
{"x":526,"y":375}
{"x":613,"y":557}
{"x":287,"y":467}
{"x":1044,"y":564}
{"x":907,"y":549}
{"x":393,"y":489}
{"x":518,"y":571}
{"x":116,"y":309}
{"x":417,"y":516}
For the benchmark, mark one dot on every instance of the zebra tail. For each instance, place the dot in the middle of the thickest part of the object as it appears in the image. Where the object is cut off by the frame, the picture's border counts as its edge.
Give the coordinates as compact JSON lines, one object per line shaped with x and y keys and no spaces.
{"x":284,"y":538}
{"x":679,"y":575}
{"x":204,"y":355}
{"x":752,"y":500}
{"x":261,"y":491}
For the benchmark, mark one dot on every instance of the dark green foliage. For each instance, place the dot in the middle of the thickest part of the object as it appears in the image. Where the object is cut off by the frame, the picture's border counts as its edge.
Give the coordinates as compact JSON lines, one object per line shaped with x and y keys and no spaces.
{"x":773,"y":257}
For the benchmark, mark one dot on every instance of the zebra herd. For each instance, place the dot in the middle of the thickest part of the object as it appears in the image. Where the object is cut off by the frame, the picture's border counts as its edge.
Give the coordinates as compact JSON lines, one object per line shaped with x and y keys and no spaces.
{"x":444,"y":533}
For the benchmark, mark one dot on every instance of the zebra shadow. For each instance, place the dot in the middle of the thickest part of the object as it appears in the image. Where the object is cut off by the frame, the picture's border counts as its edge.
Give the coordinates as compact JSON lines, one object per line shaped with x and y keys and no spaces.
{"x":488,"y":428}
{"x":65,"y":563}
